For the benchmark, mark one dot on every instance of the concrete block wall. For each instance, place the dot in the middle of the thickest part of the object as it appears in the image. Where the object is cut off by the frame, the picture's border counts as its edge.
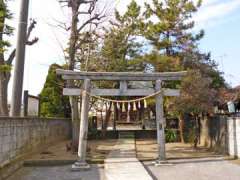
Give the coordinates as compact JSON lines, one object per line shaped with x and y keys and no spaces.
{"x":234,"y":136}
{"x":19,"y":136}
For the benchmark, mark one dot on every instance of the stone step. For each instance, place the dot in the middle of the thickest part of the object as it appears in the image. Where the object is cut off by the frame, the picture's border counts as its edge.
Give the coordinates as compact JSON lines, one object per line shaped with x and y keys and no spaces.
{"x":126,"y":135}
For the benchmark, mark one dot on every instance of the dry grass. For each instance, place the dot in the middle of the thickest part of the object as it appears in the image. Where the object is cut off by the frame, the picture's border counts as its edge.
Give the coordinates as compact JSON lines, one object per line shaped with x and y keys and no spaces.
{"x":97,"y":151}
{"x":147,"y":149}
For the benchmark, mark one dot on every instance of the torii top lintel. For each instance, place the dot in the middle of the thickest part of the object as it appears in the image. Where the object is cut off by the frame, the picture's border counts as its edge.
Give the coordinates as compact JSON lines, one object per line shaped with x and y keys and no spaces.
{"x":120,"y":76}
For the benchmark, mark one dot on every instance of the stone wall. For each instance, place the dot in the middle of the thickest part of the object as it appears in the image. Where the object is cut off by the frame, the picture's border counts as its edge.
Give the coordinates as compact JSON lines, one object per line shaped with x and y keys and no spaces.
{"x":20,"y":136}
{"x":234,"y":136}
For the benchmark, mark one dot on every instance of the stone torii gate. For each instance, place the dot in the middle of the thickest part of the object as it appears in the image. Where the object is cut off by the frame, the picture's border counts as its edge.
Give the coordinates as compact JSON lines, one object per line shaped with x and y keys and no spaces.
{"x":123,"y":78}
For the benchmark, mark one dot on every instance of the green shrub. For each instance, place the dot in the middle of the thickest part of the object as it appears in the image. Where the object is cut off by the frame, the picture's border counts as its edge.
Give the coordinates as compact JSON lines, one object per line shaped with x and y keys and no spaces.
{"x":171,"y":135}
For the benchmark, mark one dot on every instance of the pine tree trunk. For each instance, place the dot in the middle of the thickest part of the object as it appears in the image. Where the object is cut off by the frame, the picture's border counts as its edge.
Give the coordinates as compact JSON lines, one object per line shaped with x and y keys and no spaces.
{"x":4,"y":79}
{"x":115,"y":119}
{"x":181,"y":128}
{"x":107,"y":119}
{"x":196,"y":138}
{"x":204,"y":131}
{"x":142,"y":111}
{"x":4,"y":76}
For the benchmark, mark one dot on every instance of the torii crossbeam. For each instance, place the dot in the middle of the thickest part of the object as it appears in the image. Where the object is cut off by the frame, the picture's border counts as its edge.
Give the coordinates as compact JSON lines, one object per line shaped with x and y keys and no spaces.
{"x":122,"y":77}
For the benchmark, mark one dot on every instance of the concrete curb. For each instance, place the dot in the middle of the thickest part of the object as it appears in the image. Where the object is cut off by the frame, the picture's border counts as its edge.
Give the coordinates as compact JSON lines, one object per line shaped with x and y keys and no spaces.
{"x":33,"y":163}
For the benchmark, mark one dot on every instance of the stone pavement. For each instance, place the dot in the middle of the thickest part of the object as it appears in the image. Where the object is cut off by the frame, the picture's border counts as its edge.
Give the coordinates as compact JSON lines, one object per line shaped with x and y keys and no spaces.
{"x":214,"y":168}
{"x":122,"y":164}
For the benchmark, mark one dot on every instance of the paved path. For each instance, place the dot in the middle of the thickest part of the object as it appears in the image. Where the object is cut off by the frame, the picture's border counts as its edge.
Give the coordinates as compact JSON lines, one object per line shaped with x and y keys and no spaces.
{"x":216,"y":168}
{"x":58,"y":173}
{"x":122,"y":164}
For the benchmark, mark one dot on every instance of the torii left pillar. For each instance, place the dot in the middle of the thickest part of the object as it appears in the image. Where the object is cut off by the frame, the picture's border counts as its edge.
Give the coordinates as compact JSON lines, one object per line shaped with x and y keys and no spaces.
{"x":81,"y":164}
{"x":160,"y":120}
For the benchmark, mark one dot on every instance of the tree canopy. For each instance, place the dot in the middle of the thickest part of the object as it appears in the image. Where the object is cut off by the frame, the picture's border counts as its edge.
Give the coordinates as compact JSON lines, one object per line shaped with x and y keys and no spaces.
{"x":156,"y":38}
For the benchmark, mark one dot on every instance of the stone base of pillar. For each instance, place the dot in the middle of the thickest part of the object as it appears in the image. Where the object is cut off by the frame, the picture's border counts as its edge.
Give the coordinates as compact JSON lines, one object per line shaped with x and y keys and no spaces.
{"x":80,"y":166}
{"x":162,"y":163}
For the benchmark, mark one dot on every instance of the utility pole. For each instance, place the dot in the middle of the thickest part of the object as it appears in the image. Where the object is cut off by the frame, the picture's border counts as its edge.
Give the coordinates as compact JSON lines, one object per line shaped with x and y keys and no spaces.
{"x":20,"y":59}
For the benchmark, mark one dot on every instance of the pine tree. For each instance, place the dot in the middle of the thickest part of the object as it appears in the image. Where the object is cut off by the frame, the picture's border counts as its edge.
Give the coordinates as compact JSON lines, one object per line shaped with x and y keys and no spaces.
{"x":169,"y":29}
{"x":5,"y":64}
{"x":169,"y":25}
{"x":120,"y":44}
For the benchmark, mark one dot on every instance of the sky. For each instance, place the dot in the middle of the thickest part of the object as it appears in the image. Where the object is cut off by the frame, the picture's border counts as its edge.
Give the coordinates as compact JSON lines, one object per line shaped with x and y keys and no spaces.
{"x":220,"y":20}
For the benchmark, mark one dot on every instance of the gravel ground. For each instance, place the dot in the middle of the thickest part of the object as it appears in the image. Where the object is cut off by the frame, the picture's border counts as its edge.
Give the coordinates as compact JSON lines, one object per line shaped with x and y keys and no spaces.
{"x":57,"y":173}
{"x":196,"y":169}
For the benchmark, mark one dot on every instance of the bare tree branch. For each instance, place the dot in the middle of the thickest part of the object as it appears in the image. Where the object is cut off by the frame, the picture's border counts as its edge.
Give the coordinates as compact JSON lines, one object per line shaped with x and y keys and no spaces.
{"x":11,"y":57}
{"x":30,"y":29}
{"x":60,"y":24}
{"x":95,"y":17}
{"x":31,"y":42}
{"x":28,"y":42}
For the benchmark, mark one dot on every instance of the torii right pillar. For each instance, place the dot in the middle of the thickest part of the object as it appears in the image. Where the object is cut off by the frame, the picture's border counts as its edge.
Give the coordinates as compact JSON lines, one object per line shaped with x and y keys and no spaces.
{"x":160,"y":121}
